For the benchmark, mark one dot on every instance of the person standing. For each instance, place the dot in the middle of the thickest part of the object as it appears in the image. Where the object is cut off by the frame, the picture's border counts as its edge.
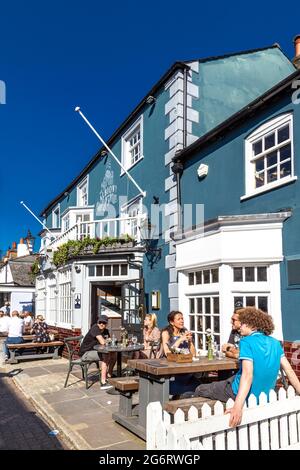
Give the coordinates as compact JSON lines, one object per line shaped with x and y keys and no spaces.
{"x":98,"y":334}
{"x":15,"y":332}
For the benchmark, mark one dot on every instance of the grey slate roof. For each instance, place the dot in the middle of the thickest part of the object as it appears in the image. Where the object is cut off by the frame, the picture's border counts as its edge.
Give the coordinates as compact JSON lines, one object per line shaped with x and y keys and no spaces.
{"x":20,"y":270}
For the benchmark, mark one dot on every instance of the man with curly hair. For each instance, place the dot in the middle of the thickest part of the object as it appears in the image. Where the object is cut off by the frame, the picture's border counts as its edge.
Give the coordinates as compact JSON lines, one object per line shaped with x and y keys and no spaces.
{"x":260,"y":358}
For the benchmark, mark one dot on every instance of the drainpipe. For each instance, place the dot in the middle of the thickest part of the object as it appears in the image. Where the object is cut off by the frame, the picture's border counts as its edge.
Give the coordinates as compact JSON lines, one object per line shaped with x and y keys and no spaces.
{"x":185,"y":71}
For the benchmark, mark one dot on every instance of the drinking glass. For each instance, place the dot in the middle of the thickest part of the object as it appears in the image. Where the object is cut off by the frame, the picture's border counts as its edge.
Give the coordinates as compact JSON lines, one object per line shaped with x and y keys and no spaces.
{"x":134,"y":340}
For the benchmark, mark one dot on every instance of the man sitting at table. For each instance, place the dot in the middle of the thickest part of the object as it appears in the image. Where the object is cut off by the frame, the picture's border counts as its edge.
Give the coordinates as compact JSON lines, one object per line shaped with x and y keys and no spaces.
{"x":260,"y":358}
{"x":98,"y":334}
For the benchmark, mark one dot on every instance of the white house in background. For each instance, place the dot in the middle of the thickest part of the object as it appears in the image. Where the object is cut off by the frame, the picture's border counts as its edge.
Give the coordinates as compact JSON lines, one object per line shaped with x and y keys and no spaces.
{"x":17,"y":285}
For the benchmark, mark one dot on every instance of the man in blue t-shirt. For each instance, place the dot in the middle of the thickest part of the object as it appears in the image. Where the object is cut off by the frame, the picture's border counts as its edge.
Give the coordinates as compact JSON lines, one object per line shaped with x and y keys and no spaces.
{"x":260,"y":359}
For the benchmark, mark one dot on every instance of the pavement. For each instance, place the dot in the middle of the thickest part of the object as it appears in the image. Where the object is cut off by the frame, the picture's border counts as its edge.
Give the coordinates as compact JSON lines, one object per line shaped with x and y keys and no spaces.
{"x":82,"y":417}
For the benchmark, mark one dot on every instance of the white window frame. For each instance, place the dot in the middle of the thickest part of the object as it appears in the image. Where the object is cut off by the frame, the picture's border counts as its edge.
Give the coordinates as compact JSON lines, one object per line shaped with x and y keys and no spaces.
{"x":66,"y":222}
{"x":133,"y":208}
{"x":55,"y":217}
{"x":83,"y":184}
{"x":266,"y":128}
{"x":65,"y":310}
{"x":126,"y":156}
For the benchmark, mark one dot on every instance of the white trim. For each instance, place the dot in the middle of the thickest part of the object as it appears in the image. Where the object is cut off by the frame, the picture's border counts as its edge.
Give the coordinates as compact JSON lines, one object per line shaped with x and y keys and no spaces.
{"x":75,"y":208}
{"x":83,"y":182}
{"x":59,"y":216}
{"x":138,"y":124}
{"x":259,"y":133}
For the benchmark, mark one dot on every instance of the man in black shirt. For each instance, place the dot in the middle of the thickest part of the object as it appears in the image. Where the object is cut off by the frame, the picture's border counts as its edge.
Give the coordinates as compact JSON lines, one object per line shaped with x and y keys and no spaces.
{"x":231,"y":349}
{"x":98,"y":334}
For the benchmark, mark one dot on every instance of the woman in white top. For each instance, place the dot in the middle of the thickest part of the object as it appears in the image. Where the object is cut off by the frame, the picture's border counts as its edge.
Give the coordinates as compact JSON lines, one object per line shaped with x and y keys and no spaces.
{"x":15,"y":332}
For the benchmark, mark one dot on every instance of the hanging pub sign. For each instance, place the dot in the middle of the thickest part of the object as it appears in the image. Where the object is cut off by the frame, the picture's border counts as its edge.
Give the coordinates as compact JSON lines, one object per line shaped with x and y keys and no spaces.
{"x":77,"y":301}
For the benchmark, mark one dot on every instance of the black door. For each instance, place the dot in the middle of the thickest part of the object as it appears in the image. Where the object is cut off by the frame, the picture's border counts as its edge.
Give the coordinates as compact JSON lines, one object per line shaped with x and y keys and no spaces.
{"x":132,"y":308}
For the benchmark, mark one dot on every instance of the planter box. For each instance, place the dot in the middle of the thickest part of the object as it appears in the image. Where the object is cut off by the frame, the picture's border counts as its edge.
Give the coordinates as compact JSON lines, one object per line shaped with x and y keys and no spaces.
{"x":171,"y":357}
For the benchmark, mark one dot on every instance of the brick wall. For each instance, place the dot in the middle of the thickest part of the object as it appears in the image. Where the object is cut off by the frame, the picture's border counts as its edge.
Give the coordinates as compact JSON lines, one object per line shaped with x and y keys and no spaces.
{"x":65,"y":333}
{"x":292,"y":352}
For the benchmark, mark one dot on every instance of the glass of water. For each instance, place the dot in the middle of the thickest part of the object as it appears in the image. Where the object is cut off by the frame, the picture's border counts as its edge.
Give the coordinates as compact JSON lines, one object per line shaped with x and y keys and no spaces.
{"x":134,"y":340}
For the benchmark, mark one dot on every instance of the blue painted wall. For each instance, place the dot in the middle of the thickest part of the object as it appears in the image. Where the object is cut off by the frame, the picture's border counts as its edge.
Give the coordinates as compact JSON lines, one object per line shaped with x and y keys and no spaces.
{"x":221,"y":190}
{"x":227,"y":85}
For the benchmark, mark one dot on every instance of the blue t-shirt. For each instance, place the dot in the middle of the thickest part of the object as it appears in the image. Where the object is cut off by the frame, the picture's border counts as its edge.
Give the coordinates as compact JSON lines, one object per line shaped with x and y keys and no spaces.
{"x":265,"y":352}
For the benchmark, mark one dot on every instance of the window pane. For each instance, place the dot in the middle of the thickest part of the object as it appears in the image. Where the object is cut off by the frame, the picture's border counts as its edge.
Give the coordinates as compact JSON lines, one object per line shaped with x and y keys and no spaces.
{"x":206,"y":279}
{"x":271,"y":159}
{"x":262,"y":302}
{"x":259,"y":164}
{"x":285,"y":152}
{"x":216,"y":324}
{"x":216,"y":304}
{"x":107,"y":270}
{"x":200,"y":342}
{"x":272,"y":175}
{"x":285,"y":169}
{"x":199,"y":277}
{"x":215,"y":275}
{"x":207,"y":304}
{"x":238,"y":274}
{"x":192,"y":305}
{"x":92,"y":270}
{"x":199,"y":305}
{"x":115,"y":270}
{"x":250,"y":301}
{"x":262,"y":274}
{"x":238,"y":299}
{"x":283,"y":134}
{"x":207,"y":322}
{"x":270,"y":141}
{"x":124,"y":269}
{"x":192,"y":322}
{"x":191,"y":279}
{"x":257,"y":147}
{"x":99,"y":270}
{"x":200,"y":323}
{"x":259,"y":179}
{"x":249,"y":274}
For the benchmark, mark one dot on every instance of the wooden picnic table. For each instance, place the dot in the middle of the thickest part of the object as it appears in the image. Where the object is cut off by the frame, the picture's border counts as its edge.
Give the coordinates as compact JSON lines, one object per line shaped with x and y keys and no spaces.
{"x":154,"y":384}
{"x":119,"y":349}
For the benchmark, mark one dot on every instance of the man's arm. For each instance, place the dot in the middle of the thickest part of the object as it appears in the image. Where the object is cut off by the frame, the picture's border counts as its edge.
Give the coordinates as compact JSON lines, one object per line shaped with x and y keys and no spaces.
{"x":101,"y":340}
{"x":244,"y":387}
{"x":292,"y":377}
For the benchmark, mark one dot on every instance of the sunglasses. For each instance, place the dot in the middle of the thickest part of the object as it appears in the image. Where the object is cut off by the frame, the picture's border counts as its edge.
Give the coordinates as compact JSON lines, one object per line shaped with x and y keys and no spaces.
{"x":102,"y":323}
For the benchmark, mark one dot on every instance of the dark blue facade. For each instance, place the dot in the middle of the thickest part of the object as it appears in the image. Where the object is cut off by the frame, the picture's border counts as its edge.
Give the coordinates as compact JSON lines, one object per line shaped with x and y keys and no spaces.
{"x":224,"y":185}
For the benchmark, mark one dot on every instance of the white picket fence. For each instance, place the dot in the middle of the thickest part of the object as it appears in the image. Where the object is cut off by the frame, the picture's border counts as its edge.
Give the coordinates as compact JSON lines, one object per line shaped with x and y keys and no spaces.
{"x":267,"y":425}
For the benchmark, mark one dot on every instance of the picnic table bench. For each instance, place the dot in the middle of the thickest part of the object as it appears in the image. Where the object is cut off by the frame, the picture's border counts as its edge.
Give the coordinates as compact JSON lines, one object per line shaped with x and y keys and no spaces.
{"x":126,"y":386}
{"x":184,"y":404}
{"x":13,"y":348}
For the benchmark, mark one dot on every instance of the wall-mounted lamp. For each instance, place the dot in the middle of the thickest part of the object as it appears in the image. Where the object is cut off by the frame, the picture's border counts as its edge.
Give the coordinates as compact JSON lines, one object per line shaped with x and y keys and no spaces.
{"x":202,"y":170}
{"x":150,"y":99}
{"x":155,"y":300}
{"x":77,"y":268}
{"x":149,"y":241}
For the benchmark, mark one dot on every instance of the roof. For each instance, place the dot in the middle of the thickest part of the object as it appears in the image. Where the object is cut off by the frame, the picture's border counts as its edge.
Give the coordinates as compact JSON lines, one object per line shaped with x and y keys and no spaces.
{"x":237,"y":118}
{"x":21,"y":270}
{"x":154,"y":89}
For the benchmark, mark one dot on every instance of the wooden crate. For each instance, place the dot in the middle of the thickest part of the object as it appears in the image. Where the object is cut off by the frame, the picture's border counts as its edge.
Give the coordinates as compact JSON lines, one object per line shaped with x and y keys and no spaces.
{"x":179,"y":357}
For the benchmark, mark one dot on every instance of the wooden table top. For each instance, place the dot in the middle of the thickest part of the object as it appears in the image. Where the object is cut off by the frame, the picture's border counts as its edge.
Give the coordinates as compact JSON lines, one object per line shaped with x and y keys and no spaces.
{"x":118,"y":348}
{"x":162,"y":367}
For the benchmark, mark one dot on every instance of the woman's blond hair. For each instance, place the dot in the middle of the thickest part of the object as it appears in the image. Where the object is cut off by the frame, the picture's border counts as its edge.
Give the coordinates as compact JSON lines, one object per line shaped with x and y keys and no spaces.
{"x":153,"y":319}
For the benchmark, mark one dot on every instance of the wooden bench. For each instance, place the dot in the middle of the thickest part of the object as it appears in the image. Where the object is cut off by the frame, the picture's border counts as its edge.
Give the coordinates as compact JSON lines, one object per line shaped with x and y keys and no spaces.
{"x":127,"y":386}
{"x":13,"y":348}
{"x":184,"y":404}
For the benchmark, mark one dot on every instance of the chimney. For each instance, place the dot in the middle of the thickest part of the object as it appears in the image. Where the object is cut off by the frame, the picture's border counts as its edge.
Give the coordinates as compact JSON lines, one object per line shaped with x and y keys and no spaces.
{"x":14,"y":246}
{"x":296,"y":59}
{"x":22,"y":249}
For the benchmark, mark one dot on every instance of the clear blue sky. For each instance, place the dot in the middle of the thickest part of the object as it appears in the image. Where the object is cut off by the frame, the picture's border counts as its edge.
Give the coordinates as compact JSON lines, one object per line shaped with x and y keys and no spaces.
{"x":103,"y":56}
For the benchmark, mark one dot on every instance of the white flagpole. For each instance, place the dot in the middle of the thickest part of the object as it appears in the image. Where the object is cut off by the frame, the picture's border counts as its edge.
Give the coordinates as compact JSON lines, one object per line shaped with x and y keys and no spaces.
{"x":77,"y":109}
{"x":46,"y":228}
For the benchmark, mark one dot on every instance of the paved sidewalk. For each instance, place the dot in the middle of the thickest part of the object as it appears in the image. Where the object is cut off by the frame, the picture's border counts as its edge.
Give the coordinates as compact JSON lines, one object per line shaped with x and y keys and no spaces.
{"x":83,"y":417}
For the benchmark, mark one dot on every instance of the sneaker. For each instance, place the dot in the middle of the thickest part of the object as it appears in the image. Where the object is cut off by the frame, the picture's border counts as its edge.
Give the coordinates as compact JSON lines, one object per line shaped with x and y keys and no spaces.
{"x":105,"y":386}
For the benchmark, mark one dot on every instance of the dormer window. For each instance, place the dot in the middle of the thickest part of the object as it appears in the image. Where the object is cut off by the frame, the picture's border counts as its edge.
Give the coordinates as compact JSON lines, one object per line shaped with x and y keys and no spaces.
{"x":132,"y":144}
{"x":82,"y":193}
{"x":56,"y":217}
{"x":269,"y":155}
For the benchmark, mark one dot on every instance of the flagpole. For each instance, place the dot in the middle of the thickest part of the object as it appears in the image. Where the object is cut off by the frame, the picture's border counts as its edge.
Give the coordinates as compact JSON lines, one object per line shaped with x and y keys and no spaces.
{"x":77,"y":109}
{"x":46,"y":228}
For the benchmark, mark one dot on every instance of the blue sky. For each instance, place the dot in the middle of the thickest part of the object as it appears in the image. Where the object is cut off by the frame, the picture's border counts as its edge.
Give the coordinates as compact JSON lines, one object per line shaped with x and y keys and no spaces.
{"x":103,"y":56}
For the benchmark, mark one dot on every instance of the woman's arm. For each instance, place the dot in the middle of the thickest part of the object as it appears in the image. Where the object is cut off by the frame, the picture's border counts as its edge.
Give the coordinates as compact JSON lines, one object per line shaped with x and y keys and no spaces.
{"x":165,"y":339}
{"x":292,"y":377}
